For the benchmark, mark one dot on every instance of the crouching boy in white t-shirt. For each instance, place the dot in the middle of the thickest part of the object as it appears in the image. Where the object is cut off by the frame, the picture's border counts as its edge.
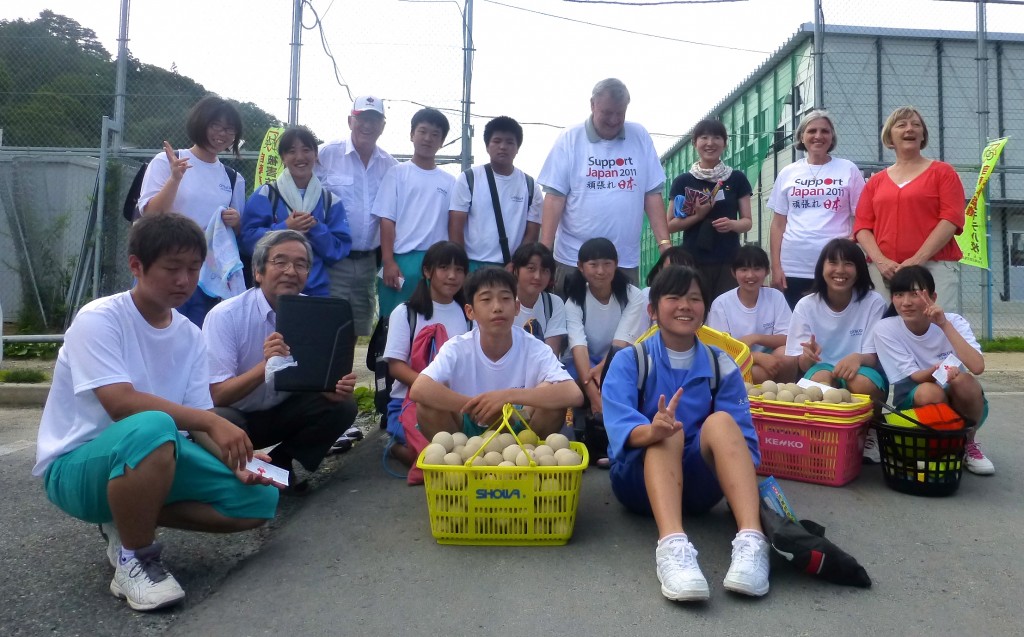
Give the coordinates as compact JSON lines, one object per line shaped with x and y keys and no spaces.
{"x":476,"y":373}
{"x":131,"y":374}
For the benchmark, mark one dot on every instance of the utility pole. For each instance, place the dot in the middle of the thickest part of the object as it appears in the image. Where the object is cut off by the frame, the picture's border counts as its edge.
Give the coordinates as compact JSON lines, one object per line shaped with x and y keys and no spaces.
{"x":467,"y":84}
{"x":818,"y":56}
{"x":293,"y":72}
{"x":122,"y":72}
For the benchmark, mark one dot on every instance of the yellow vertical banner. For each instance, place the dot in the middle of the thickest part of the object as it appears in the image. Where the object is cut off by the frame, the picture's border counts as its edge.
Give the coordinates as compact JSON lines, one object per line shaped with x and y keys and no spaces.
{"x":268,"y":166}
{"x":974,"y":239}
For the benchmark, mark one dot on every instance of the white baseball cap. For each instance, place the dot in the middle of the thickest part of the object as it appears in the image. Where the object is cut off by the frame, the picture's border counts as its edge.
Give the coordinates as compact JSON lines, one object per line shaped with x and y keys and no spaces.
{"x":367,"y":103}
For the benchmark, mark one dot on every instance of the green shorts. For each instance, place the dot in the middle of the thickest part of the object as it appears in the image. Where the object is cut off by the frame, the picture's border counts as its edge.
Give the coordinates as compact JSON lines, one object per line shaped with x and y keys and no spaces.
{"x":77,"y":481}
{"x":872,"y":374}
{"x":410,"y":265}
{"x":471,"y":428}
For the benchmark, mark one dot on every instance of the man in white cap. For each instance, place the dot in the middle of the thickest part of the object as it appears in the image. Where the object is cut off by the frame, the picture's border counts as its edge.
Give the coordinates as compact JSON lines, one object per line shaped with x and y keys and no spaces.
{"x":600,"y":179}
{"x":352,"y":169}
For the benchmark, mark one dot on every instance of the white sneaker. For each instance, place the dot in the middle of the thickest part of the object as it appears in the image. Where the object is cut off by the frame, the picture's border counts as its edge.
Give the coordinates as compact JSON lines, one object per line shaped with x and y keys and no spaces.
{"x":977,"y":461}
{"x":748,"y":573}
{"x":871,"y":454}
{"x":113,"y":540}
{"x":144,"y":581}
{"x":679,"y":573}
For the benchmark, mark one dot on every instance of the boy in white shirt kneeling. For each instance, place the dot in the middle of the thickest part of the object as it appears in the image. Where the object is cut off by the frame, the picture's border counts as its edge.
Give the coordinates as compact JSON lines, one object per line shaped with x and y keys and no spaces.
{"x":476,"y":373}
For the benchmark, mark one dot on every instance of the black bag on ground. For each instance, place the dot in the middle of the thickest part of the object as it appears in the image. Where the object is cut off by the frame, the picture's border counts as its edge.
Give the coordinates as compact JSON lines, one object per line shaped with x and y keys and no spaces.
{"x":375,"y":362}
{"x":804,"y":546}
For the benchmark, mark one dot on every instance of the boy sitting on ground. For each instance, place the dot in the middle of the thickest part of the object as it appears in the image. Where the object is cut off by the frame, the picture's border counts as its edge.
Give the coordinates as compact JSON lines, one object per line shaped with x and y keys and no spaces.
{"x":476,"y":373}
{"x":757,"y":315}
{"x":131,"y":374}
{"x":681,"y":437}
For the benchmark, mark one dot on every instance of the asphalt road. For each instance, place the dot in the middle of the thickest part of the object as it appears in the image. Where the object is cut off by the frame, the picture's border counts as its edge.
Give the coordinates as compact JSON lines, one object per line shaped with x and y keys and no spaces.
{"x":356,"y":558}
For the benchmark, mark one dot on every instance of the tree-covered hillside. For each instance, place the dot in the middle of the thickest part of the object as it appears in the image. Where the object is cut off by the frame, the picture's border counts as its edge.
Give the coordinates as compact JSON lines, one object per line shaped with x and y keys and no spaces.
{"x":57,"y":81}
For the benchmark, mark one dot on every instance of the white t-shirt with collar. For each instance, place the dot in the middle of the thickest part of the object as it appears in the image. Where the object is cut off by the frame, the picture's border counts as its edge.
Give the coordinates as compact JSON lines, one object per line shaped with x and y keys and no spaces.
{"x":342,"y":172}
{"x":462,"y":366}
{"x":839,"y":333}
{"x":399,"y":344}
{"x":235,"y":331}
{"x":204,"y":188}
{"x":605,"y":182}
{"x":417,"y":201}
{"x":481,"y":233}
{"x":110,"y":342}
{"x":770,"y":315}
{"x":903,"y":353}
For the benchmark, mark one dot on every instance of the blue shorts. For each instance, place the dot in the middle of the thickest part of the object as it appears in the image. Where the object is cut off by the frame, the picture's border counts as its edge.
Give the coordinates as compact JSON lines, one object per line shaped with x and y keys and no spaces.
{"x":701,"y":490}
{"x":876,"y":377}
{"x":77,"y":481}
{"x":394,"y":426}
{"x":903,"y":398}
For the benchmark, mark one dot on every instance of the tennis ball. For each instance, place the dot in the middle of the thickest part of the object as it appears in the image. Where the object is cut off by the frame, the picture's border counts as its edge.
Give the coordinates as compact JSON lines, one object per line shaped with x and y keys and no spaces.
{"x":768,"y":395}
{"x":748,"y":386}
{"x":784,"y":396}
{"x":506,"y":439}
{"x":444,"y":439}
{"x":560,"y":527}
{"x":833,"y":396}
{"x":493,"y":458}
{"x":506,"y":463}
{"x":547,"y":461}
{"x":523,"y":459}
{"x":769,"y":385}
{"x":494,"y":444}
{"x":814,"y":392}
{"x":543,"y":450}
{"x":527,"y":437}
{"x":510,"y":452}
{"x":754,"y":392}
{"x":461,"y":450}
{"x":460,"y":438}
{"x":557,"y":441}
{"x":801,"y":398}
{"x":478,"y":462}
{"x":455,"y":481}
{"x":453,"y":459}
{"x":847,"y":396}
{"x":433,"y":456}
{"x":568,"y":458}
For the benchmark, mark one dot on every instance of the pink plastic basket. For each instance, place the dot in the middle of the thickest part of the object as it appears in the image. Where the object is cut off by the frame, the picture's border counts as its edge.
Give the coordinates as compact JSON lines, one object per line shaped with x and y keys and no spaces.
{"x":816,"y":452}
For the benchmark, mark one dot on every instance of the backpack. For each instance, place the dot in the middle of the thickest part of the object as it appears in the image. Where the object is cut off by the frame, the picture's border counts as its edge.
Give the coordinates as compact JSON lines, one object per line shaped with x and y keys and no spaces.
{"x":533,"y":325}
{"x":274,"y":195}
{"x":643,"y":368}
{"x":130,"y":209}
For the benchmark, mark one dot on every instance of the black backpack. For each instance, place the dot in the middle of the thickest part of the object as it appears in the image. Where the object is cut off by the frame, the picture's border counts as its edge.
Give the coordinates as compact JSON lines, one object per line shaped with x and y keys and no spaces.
{"x":533,"y":325}
{"x":130,"y":210}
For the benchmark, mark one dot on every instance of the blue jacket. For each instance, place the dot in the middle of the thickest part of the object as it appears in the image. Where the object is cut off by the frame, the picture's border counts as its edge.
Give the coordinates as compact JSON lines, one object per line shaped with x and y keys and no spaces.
{"x":330,"y":239}
{"x":622,"y":414}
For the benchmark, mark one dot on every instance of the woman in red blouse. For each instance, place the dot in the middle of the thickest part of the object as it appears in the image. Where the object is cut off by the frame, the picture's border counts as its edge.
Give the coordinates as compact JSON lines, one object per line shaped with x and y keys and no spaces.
{"x":909,"y":213}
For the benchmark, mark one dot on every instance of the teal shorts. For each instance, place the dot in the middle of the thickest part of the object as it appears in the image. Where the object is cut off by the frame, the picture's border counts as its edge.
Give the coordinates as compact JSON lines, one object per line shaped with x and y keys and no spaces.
{"x":411,"y":266}
{"x":872,"y":374}
{"x":903,"y":398}
{"x":471,"y":428}
{"x":476,"y":265}
{"x":77,"y":481}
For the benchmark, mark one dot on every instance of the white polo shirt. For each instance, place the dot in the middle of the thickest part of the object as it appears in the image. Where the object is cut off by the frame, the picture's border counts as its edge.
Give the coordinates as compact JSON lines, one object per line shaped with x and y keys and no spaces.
{"x":235,"y":331}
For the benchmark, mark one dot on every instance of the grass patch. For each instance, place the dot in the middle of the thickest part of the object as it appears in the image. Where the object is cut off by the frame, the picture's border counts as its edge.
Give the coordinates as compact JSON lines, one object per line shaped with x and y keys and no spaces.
{"x":22,"y":376}
{"x":1005,"y":344}
{"x":44,"y":351}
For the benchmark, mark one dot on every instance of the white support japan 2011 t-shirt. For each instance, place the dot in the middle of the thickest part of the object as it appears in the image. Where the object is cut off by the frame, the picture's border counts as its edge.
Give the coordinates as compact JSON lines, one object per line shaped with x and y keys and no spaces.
{"x":110,"y":342}
{"x":839,"y":333}
{"x":417,"y":201}
{"x":605,"y":183}
{"x":481,"y":233}
{"x":818,"y":203}
{"x":462,"y":366}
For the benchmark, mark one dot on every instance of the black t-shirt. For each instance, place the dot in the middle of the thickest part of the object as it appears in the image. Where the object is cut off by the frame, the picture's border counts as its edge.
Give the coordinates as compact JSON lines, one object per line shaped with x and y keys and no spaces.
{"x":707,"y":245}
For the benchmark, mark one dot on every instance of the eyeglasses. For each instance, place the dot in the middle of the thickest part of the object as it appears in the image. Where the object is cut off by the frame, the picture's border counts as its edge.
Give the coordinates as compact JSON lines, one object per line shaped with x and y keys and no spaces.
{"x":227,"y":130}
{"x":282,"y":265}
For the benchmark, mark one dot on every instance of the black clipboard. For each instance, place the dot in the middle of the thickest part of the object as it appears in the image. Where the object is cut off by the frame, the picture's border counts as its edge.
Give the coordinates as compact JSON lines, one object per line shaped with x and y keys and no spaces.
{"x":320,"y":334}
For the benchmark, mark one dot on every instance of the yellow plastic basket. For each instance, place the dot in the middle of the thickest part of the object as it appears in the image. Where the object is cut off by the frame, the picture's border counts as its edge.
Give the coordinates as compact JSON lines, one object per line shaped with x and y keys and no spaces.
{"x":511,"y":506}
{"x":736,"y":349}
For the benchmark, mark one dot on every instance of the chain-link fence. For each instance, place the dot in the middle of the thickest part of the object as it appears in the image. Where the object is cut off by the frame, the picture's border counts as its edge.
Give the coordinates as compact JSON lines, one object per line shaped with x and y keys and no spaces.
{"x":874,"y":57}
{"x":57,"y":81}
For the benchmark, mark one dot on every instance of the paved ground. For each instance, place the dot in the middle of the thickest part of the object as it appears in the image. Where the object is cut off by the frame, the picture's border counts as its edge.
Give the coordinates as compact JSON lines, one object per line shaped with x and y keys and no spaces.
{"x":356,"y":558}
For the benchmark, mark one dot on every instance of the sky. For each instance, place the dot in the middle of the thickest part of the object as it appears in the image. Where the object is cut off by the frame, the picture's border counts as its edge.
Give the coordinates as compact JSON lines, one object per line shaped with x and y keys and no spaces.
{"x":535,"y":60}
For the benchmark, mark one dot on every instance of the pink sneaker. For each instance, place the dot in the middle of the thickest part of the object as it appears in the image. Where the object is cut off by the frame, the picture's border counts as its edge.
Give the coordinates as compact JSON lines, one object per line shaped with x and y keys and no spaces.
{"x":977,"y":461}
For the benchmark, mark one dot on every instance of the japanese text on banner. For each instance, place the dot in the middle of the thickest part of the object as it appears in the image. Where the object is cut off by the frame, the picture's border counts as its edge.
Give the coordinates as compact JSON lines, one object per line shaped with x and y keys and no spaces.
{"x":268,"y":166}
{"x":974,"y":240}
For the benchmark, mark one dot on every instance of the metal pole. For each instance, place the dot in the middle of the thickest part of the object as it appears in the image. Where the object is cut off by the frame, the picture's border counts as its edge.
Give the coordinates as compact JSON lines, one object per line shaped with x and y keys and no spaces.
{"x":101,"y":189}
{"x":982,"y":141}
{"x":817,"y":56}
{"x":467,"y":84}
{"x":122,"y":72}
{"x":293,"y":73}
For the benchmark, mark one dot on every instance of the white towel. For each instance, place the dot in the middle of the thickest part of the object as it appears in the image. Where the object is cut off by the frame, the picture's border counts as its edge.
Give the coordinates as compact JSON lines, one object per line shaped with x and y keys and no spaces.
{"x":221,"y":276}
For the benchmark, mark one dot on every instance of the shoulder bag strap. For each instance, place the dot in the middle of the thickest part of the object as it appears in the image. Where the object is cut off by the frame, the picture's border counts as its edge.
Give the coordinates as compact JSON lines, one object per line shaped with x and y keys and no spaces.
{"x":506,"y":255}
